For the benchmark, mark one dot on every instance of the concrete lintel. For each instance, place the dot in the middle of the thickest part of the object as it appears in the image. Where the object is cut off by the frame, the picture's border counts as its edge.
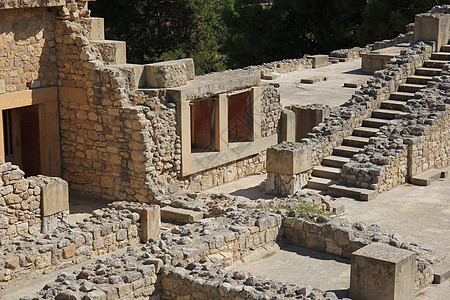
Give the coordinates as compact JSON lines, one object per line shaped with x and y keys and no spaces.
{"x":217,"y":83}
{"x":289,"y":160}
{"x":204,"y":161}
{"x":28,"y":97}
{"x":11,"y":4}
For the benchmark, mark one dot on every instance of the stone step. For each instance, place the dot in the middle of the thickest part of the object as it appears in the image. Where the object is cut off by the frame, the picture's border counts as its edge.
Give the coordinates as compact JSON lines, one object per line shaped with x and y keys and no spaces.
{"x":404,"y":96}
{"x":428,"y":71}
{"x":365,"y":131}
{"x":392,"y":104}
{"x":356,"y":141}
{"x":346,"y":151}
{"x":95,"y":28}
{"x":445,"y":48}
{"x":410,"y":87}
{"x":353,"y":192}
{"x":335,"y":161}
{"x":441,"y":271}
{"x":113,"y":52}
{"x":327,"y":172}
{"x":427,"y":177}
{"x":387,"y":114}
{"x":320,"y":183}
{"x":440,"y":56}
{"x":435,"y":63}
{"x":416,"y":79}
{"x":374,"y":122}
{"x":180,"y":215}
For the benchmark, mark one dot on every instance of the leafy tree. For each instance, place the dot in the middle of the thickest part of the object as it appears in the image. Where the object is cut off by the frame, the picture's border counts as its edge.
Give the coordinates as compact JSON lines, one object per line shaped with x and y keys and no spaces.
{"x":157,"y":30}
{"x":384,"y":19}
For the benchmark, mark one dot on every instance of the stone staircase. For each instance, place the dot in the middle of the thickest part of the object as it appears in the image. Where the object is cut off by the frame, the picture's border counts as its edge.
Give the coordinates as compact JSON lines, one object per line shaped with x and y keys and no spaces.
{"x":325,"y":177}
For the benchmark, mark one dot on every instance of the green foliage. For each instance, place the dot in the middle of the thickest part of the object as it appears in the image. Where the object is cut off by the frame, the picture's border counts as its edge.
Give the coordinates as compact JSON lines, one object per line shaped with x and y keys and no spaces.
{"x":220,"y":34}
{"x":158,"y":30}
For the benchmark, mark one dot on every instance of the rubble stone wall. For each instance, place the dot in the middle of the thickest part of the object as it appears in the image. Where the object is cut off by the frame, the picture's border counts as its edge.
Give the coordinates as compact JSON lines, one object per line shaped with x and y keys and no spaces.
{"x":27,"y":49}
{"x":107,"y":231}
{"x":341,"y":238}
{"x":432,"y":150}
{"x":270,"y":110}
{"x":20,"y":205}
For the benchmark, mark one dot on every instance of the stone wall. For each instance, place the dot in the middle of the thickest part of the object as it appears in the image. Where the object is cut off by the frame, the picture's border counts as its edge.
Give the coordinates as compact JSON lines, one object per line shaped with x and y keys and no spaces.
{"x":270,"y":110}
{"x":252,"y":165}
{"x":27,"y":49}
{"x":20,"y":205}
{"x":341,"y":238}
{"x":106,"y":231}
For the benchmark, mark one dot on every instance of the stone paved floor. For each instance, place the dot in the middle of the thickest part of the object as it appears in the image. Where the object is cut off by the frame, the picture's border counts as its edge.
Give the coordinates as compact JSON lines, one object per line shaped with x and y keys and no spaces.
{"x":416,"y":213}
{"x":330,"y":92}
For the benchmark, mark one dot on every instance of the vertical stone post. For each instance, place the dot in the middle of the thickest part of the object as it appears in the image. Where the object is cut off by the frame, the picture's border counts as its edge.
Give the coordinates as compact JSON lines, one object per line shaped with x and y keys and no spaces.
{"x":151,"y":222}
{"x":432,"y":27}
{"x":287,"y":126}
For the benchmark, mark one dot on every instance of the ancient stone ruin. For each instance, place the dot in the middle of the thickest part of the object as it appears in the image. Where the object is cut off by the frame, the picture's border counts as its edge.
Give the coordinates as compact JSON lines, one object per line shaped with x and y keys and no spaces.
{"x":79,"y":122}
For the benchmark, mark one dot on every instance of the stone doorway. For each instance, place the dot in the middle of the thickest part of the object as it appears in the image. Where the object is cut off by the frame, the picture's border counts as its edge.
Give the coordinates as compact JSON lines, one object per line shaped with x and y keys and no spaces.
{"x":22,"y":139}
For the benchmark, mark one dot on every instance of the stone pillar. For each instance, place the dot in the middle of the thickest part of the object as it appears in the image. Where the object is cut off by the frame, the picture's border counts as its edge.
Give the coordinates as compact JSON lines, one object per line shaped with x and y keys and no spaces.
{"x":382,"y":272}
{"x":287,"y":126}
{"x":432,"y":27}
{"x":151,"y":222}
{"x":287,"y":166}
{"x":54,"y":201}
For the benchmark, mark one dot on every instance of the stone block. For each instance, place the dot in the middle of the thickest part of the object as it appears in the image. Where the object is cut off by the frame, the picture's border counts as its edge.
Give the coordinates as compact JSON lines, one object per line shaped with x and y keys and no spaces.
{"x":372,"y":62}
{"x":380,"y":271}
{"x":289,"y":160}
{"x":432,"y":27}
{"x":427,"y":177}
{"x":95,"y":28}
{"x":287,"y":126}
{"x":312,"y":80}
{"x":319,"y":60}
{"x":30,"y":3}
{"x":54,"y":195}
{"x":171,"y":73}
{"x":441,"y":272}
{"x":180,"y":215}
{"x":113,"y":52}
{"x":151,"y":222}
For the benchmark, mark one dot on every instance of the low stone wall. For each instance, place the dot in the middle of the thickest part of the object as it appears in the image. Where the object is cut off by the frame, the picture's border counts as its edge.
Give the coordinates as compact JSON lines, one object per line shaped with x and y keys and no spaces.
{"x":431,"y":150}
{"x":252,"y":165}
{"x":207,"y":281}
{"x":20,"y":205}
{"x":30,"y":257}
{"x":341,"y":238}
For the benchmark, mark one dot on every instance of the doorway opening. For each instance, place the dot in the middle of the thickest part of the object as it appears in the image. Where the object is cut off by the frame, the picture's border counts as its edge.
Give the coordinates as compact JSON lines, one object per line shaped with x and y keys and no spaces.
{"x":22,"y":138}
